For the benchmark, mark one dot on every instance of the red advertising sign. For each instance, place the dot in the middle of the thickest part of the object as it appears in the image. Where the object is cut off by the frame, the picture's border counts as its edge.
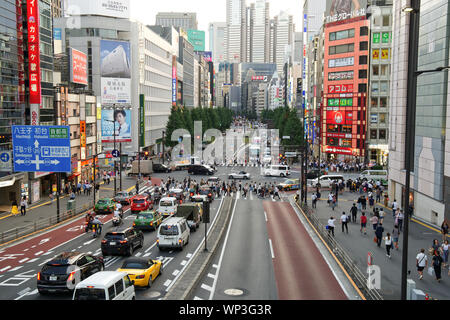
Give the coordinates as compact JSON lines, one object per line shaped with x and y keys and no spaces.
{"x":34,"y":61}
{"x":340,"y":88}
{"x":78,"y":67}
{"x":339,"y":117}
{"x":339,"y":150}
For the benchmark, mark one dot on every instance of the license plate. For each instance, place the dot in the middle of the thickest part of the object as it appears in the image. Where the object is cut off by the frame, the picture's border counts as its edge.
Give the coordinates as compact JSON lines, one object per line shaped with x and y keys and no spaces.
{"x":112,"y":243}
{"x":53,"y":278}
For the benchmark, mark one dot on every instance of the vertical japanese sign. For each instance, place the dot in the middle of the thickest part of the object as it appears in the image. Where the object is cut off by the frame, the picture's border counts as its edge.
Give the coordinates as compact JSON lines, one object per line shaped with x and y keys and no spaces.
{"x":34,"y":69}
{"x":142,"y":120}
{"x":83,"y":139}
{"x":20,"y":57}
{"x":174,"y":81}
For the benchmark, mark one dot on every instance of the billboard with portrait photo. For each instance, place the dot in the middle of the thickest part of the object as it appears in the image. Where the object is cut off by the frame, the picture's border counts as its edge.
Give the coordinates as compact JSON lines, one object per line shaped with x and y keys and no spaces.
{"x":120,"y":119}
{"x":338,"y":10}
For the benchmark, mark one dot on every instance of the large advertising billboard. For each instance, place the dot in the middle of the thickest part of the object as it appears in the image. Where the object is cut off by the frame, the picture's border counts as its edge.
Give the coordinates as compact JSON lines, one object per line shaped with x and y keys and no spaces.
{"x":120,"y":119}
{"x":338,"y":10}
{"x":115,"y":72}
{"x":108,"y":8}
{"x":34,"y":61}
{"x":78,"y":67}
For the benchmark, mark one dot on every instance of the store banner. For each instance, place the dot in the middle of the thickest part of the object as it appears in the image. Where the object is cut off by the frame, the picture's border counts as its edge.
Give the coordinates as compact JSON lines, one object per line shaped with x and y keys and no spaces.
{"x":34,"y":61}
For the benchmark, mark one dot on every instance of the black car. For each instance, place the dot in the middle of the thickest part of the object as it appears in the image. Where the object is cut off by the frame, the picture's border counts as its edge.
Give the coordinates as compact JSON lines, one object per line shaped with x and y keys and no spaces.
{"x":122,"y":242}
{"x":207,"y":191}
{"x":161,"y":168}
{"x":199,"y":169}
{"x":315,"y":173}
{"x":64,"y":272}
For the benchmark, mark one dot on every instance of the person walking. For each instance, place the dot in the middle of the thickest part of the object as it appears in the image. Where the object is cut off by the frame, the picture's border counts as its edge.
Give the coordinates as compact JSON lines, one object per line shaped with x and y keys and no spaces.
{"x":354,"y":212}
{"x":399,"y":219}
{"x":23,"y":206}
{"x":388,"y":243}
{"x":379,"y":234}
{"x":344,"y":221}
{"x":374,"y":221}
{"x":444,"y":230}
{"x":381,"y":215}
{"x":363,"y":221}
{"x":421,"y":262}
{"x":14,"y":208}
{"x":394,"y":208}
{"x":314,"y":200}
{"x":395,"y":236}
{"x":333,"y":202}
{"x":445,"y":248}
{"x":437,"y":263}
{"x":330,"y":225}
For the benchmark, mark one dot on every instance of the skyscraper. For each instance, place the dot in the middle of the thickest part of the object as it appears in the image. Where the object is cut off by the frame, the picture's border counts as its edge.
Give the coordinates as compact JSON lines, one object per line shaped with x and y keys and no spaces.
{"x":283,"y":39}
{"x":185,"y":20}
{"x":236,"y":32}
{"x":259,"y":33}
{"x":217,"y":42}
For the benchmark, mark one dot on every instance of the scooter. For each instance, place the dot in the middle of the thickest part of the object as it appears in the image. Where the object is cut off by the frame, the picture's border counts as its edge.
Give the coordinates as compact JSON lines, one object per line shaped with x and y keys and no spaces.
{"x":96,"y":230}
{"x":116,"y":221}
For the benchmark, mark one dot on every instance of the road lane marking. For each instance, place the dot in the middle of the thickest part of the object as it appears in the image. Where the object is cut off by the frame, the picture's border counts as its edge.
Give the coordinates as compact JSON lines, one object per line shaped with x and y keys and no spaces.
{"x":206,"y":287}
{"x":271,"y":249}
{"x":175,"y":273}
{"x":167,"y":283}
{"x":265,"y":216}
{"x":213,"y":276}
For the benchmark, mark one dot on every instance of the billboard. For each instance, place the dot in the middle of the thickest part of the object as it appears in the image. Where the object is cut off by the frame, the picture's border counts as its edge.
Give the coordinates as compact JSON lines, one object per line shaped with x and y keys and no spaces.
{"x":34,"y":60}
{"x":120,"y":119}
{"x":108,"y":8}
{"x":78,"y":67}
{"x":115,"y":72}
{"x":338,"y":10}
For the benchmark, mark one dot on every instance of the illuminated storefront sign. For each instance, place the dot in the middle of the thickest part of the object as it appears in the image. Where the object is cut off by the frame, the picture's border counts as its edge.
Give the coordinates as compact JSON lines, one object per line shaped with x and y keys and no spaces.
{"x":34,"y":61}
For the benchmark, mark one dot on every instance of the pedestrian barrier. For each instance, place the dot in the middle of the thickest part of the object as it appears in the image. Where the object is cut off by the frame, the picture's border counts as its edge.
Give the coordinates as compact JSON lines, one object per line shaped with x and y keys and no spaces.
{"x":350,"y":266}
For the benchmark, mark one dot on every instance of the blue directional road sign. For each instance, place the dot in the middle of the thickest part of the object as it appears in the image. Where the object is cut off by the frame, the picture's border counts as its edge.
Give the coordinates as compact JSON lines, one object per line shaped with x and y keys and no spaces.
{"x":41,"y":148}
{"x":115,"y":153}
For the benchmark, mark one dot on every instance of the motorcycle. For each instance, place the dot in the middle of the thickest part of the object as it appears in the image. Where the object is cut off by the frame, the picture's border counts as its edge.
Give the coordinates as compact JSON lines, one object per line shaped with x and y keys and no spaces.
{"x":96,"y":230}
{"x":116,"y":221}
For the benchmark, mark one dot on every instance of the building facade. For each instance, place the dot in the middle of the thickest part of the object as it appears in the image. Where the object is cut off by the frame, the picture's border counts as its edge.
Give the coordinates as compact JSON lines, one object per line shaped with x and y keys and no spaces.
{"x":236,"y":32}
{"x":185,"y":20}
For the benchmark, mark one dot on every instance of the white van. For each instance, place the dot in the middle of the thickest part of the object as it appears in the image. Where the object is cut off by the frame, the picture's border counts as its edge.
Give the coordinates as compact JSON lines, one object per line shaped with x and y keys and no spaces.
{"x":277,"y":171}
{"x":105,"y":285}
{"x":327,"y":180}
{"x":173,"y":233}
{"x":167,"y":206}
{"x":376,"y":175}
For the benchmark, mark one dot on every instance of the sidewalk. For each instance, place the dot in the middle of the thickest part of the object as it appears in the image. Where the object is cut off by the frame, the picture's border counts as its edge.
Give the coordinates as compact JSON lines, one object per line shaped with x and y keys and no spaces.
{"x":359,"y":245}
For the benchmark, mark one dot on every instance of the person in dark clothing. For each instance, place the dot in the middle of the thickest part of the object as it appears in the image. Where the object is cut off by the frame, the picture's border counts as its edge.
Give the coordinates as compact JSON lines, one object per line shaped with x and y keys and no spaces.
{"x":437,"y":262}
{"x":354,"y":212}
{"x":379,"y":234}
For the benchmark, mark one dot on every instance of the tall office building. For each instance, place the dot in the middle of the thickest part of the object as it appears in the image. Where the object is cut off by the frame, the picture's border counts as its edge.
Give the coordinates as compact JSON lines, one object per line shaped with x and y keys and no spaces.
{"x":217,"y":42}
{"x":236,"y":32}
{"x":283,"y":39}
{"x":185,"y":20}
{"x":259,"y":32}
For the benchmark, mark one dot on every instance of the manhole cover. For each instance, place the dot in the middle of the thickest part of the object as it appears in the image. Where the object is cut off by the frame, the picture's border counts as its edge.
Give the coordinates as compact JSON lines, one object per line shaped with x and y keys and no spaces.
{"x":234,"y":292}
{"x":153,"y":294}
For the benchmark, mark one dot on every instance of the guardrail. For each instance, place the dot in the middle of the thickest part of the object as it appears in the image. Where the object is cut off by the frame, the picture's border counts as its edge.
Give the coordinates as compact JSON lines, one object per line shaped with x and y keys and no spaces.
{"x":344,"y":258}
{"x":41,"y":225}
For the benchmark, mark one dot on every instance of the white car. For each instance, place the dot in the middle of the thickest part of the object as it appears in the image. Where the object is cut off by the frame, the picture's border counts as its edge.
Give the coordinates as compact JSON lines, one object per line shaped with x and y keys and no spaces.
{"x":199,"y":198}
{"x":239,"y":175}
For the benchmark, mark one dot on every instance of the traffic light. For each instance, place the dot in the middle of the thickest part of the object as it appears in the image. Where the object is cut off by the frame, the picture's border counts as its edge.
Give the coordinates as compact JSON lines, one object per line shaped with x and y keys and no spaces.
{"x":146,"y":153}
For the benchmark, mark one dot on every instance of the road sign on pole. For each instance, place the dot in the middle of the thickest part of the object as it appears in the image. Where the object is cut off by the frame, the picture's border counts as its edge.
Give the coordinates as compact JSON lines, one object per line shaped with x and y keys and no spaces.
{"x":5,"y":161}
{"x":41,"y":148}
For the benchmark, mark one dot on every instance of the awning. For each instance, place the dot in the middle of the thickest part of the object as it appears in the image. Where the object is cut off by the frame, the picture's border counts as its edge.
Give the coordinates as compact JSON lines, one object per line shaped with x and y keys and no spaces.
{"x":8,"y":183}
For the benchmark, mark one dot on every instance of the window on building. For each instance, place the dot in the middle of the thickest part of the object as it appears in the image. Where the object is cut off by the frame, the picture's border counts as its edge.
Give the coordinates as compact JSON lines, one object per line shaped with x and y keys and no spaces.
{"x":382,"y":134}
{"x":364,"y":31}
{"x":374,"y":102}
{"x":373,"y":134}
{"x":382,"y":118}
{"x":384,"y":70}
{"x":385,"y":21}
{"x":344,"y":48}
{"x":375,"y":70}
{"x":375,"y":88}
{"x":383,"y":86}
{"x":362,"y":60}
{"x":363,"y":74}
{"x":383,"y":102}
{"x":364,"y":45}
{"x":362,"y":87}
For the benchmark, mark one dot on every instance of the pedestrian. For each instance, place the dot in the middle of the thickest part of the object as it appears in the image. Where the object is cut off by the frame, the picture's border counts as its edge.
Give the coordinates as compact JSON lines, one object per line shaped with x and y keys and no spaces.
{"x":394,"y":208}
{"x":444,"y":230}
{"x":399,"y":219}
{"x":364,"y":203}
{"x":388,"y":243}
{"x":379,"y":234}
{"x":445,"y":248}
{"x":330,"y":225}
{"x":314,"y":200}
{"x":23,"y":206}
{"x":421,"y":262}
{"x":363,"y":221}
{"x":434,"y":247}
{"x":381,"y":215}
{"x":276,"y":193}
{"x":437,"y":263}
{"x":14,"y":208}
{"x":374,"y":221}
{"x":333,"y":202}
{"x":395,"y":236}
{"x":72,"y":196}
{"x":354,"y":212}
{"x":344,"y":221}
{"x":330,"y":199}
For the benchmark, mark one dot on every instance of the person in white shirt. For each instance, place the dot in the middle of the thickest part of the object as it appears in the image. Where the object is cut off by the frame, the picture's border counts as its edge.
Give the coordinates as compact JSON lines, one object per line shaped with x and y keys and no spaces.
{"x":330,"y":225}
{"x":344,"y":221}
{"x":421,"y":262}
{"x":388,"y":243}
{"x":314,"y":200}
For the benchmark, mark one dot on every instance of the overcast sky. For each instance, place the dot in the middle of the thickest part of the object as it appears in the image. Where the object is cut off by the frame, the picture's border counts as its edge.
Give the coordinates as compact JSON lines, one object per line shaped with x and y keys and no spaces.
{"x":207,"y":10}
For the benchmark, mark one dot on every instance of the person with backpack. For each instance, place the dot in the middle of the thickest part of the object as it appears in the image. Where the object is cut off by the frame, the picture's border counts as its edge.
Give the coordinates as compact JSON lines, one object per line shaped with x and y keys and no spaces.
{"x":354,"y":212}
{"x":421,"y":262}
{"x":379,"y":234}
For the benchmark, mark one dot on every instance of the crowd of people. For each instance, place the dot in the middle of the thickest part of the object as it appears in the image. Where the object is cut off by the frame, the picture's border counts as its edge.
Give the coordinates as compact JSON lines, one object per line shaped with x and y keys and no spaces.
{"x":347,"y":166}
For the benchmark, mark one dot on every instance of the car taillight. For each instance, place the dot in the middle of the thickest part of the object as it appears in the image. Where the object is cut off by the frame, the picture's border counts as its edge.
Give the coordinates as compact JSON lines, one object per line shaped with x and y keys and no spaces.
{"x":180,"y":241}
{"x":123,"y":241}
{"x":103,"y":241}
{"x":71,"y":275}
{"x":151,"y":223}
{"x":39,"y":276}
{"x":209,"y":194}
{"x":134,"y":224}
{"x":141,"y":276}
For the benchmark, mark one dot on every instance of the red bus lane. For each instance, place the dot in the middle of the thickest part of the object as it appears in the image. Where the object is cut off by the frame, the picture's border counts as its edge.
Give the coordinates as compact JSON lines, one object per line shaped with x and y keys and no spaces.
{"x":300,"y":270}
{"x":45,"y":245}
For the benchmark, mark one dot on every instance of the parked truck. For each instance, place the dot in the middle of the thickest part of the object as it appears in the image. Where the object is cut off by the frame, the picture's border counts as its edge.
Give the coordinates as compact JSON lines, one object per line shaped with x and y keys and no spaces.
{"x":192,"y":212}
{"x":146,"y":168}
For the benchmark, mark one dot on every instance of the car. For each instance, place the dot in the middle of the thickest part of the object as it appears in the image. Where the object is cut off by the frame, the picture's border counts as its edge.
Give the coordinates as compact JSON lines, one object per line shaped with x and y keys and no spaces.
{"x":161,"y":168}
{"x":213,"y":180}
{"x":105,"y":285}
{"x":65,"y":271}
{"x":167,"y":206}
{"x":239,"y":175}
{"x":122,"y":242}
{"x":141,"y":203}
{"x":289,"y":184}
{"x":199,"y":198}
{"x":277,"y":171}
{"x":206,"y":190}
{"x":315,"y":173}
{"x":176,"y":193}
{"x":147,"y":220}
{"x":143,"y":271}
{"x":123,"y":197}
{"x":199,"y":169}
{"x":105,"y":205}
{"x":326,"y":181}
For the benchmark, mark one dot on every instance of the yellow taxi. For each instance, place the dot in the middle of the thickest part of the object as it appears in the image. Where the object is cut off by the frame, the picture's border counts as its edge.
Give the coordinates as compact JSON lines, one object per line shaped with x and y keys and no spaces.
{"x":143,"y":271}
{"x":289,"y":184}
